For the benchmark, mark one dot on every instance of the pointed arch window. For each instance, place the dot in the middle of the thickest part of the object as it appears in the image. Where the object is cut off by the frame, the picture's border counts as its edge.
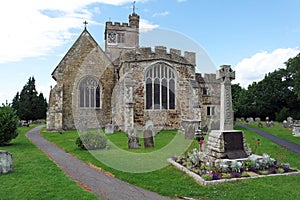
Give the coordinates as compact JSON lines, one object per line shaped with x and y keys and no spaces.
{"x":89,"y":93}
{"x":160,"y":82}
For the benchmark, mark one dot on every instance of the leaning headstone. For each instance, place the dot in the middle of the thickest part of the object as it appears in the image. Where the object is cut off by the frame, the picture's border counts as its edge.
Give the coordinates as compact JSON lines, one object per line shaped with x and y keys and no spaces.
{"x":6,"y":162}
{"x":109,"y":129}
{"x":296,"y":130}
{"x":148,"y":138}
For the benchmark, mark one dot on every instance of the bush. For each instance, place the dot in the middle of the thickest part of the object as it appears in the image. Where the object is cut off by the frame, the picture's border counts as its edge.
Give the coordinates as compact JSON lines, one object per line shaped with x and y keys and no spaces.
{"x":8,"y":124}
{"x":91,"y":141}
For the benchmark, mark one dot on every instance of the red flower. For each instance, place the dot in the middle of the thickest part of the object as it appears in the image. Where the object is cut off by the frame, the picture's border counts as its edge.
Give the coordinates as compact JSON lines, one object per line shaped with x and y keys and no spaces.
{"x":258,"y":141}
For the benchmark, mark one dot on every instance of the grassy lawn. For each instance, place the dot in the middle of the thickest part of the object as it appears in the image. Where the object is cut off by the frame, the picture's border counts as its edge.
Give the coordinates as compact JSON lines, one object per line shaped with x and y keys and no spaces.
{"x":35,"y":176}
{"x":277,"y":130}
{"x":171,"y":182}
{"x":120,"y":139}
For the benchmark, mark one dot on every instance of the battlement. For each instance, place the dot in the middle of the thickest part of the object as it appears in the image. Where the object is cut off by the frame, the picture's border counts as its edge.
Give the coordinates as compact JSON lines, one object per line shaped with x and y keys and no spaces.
{"x":207,"y":78}
{"x":134,"y":20}
{"x":162,"y":52}
{"x":117,"y":24}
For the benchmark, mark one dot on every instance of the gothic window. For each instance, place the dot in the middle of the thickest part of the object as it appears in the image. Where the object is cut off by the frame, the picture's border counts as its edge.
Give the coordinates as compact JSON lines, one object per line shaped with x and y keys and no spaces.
{"x":89,"y":93}
{"x":160,"y":82}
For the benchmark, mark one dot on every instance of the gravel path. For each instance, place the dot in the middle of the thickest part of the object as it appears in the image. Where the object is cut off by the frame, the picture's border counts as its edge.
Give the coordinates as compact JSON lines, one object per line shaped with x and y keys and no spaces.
{"x":291,"y":146}
{"x":104,"y":186}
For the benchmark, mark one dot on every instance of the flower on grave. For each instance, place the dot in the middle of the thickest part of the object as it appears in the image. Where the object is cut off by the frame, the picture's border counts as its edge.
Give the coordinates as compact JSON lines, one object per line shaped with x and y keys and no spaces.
{"x":215,"y":177}
{"x":286,"y":167}
{"x":258,"y":142}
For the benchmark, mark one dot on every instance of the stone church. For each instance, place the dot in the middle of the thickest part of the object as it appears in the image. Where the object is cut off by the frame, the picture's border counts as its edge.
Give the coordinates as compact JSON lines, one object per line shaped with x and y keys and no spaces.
{"x":127,"y":85}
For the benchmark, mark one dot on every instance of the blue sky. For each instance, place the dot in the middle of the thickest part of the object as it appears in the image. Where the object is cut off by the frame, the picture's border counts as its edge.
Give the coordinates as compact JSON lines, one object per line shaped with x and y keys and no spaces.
{"x":253,"y":36}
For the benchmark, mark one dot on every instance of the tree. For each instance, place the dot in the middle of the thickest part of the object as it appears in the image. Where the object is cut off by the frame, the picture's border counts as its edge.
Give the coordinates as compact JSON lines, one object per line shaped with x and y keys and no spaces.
{"x":30,"y":105}
{"x":8,"y":124}
{"x":271,"y":97}
{"x":41,"y":107}
{"x":293,"y":65}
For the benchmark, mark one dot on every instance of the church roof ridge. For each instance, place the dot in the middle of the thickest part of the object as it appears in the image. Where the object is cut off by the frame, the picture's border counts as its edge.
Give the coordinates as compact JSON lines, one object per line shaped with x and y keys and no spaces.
{"x":85,"y":32}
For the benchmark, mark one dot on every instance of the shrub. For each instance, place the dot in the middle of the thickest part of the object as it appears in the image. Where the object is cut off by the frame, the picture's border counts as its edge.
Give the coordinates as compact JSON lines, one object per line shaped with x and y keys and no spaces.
{"x":207,"y":177}
{"x":8,"y":124}
{"x":91,"y":141}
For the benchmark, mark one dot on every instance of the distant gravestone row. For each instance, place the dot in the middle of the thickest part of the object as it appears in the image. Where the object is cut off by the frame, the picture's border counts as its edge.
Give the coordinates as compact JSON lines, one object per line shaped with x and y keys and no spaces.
{"x":294,"y":124}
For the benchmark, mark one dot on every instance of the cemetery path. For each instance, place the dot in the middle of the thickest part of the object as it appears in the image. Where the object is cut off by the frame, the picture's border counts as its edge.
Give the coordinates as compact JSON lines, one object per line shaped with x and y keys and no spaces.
{"x":291,"y":146}
{"x":89,"y":177}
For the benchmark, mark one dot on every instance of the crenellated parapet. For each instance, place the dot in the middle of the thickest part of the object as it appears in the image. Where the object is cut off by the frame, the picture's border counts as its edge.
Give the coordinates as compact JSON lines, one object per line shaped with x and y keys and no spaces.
{"x":160,"y":53}
{"x":117,"y":24}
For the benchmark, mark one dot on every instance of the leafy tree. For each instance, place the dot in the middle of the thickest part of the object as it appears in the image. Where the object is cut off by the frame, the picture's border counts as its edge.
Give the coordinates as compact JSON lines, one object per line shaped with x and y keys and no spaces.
{"x":30,"y":105}
{"x":272,"y":97}
{"x":293,"y":65}
{"x":8,"y":124}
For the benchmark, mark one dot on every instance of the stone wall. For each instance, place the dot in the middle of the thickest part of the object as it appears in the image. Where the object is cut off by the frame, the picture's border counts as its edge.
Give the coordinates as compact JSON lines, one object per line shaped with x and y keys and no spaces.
{"x":138,"y":63}
{"x":210,"y":99}
{"x":84,"y":59}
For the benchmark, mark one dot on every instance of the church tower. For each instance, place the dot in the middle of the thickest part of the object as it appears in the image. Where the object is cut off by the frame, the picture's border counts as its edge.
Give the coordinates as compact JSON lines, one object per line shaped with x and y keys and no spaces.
{"x":121,"y":38}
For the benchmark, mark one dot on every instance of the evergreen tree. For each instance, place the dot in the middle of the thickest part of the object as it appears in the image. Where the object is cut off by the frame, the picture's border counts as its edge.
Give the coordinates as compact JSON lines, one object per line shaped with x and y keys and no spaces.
{"x":29,"y":104}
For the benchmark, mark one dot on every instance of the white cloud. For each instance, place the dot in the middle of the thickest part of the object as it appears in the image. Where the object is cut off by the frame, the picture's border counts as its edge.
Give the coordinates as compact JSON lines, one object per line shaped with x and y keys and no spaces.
{"x":34,"y":28}
{"x":146,"y":26}
{"x":254,"y":68}
{"x":161,"y":14}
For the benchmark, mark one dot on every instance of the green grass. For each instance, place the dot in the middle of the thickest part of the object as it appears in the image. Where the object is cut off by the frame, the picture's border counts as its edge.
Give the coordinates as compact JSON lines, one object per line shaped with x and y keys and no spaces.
{"x":171,"y":182}
{"x":277,"y":130}
{"x":35,"y":176}
{"x":162,"y":139}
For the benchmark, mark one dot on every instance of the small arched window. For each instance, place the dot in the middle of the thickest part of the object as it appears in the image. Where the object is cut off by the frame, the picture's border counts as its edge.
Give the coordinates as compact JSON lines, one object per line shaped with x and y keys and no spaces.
{"x":160,"y":82}
{"x":89,"y":93}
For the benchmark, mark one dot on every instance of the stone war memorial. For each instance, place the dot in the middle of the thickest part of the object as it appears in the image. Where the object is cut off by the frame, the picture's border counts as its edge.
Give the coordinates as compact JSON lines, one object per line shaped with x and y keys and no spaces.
{"x":226,"y":156}
{"x":226,"y":142}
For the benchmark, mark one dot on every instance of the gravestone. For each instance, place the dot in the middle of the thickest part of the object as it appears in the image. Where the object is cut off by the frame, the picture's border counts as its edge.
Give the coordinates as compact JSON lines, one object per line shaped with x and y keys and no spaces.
{"x":250,"y":120}
{"x":257,"y":120}
{"x":289,"y":120}
{"x":6,"y":162}
{"x":148,"y":138}
{"x":296,"y":130}
{"x":285,"y":124}
{"x":133,"y":139}
{"x":190,"y":127}
{"x":226,"y":142}
{"x":109,"y":129}
{"x":81,"y":125}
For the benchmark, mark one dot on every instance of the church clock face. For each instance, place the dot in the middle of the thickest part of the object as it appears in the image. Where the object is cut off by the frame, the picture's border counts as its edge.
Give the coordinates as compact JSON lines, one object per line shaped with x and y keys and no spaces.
{"x":112,"y":37}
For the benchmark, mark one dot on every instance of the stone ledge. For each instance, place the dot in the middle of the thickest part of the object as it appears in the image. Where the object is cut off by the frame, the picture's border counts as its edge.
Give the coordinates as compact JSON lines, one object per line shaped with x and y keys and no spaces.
{"x":203,"y":182}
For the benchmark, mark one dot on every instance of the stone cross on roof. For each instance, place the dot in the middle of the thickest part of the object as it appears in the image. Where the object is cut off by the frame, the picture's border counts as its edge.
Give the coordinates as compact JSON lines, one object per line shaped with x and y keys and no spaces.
{"x":85,"y":23}
{"x":225,"y":74}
